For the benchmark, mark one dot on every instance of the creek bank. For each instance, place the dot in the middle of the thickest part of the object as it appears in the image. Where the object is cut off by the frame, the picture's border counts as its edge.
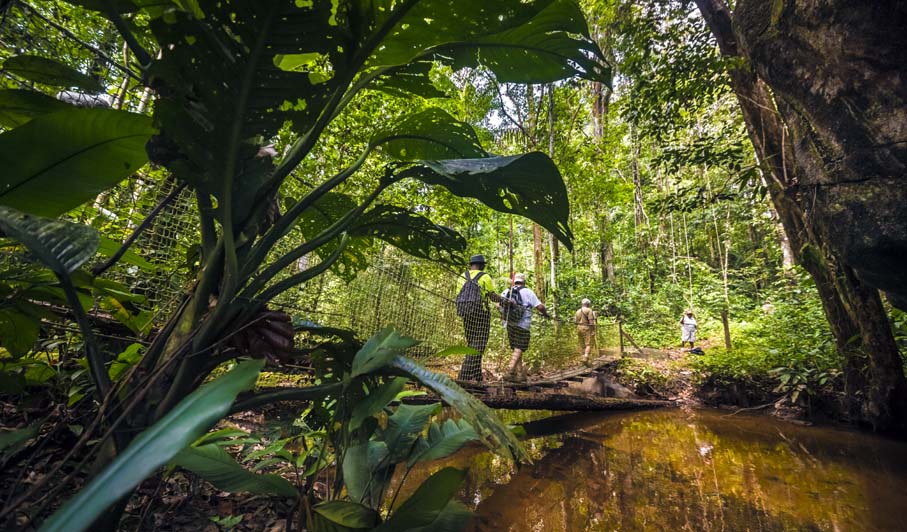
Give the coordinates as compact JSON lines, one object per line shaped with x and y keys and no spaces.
{"x":673,"y":375}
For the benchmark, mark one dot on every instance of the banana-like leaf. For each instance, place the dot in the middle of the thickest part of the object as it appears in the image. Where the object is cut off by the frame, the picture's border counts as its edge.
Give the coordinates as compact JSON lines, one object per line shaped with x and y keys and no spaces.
{"x":427,"y":503}
{"x":375,"y":401}
{"x":50,"y":72}
{"x":61,"y":246}
{"x":443,"y":440}
{"x":379,"y":350}
{"x":154,"y":447}
{"x":18,"y":106}
{"x":214,"y":464}
{"x":72,"y":156}
{"x":411,"y":233}
{"x":349,"y":515}
{"x":430,"y":134}
{"x":494,"y":433}
{"x":528,"y":185}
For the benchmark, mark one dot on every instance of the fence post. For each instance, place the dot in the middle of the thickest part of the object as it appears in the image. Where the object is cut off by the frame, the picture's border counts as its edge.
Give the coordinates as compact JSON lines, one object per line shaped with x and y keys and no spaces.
{"x":620,"y":334}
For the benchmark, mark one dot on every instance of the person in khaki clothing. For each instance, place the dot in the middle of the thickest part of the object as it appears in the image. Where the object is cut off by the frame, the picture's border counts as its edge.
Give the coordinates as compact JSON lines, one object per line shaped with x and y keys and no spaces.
{"x":585,"y":327}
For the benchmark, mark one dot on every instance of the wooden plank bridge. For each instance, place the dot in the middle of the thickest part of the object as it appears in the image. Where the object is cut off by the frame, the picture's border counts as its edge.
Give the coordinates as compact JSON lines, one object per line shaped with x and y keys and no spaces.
{"x":580,"y":388}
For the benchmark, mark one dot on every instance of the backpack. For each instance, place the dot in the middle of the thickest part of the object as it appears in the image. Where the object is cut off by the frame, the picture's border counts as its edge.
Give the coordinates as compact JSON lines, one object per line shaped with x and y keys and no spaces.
{"x":512,"y":306}
{"x":469,"y":300}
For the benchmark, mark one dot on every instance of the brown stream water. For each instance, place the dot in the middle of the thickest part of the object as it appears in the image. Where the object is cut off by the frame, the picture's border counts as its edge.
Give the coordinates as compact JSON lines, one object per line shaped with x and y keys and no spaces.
{"x":685,"y":470}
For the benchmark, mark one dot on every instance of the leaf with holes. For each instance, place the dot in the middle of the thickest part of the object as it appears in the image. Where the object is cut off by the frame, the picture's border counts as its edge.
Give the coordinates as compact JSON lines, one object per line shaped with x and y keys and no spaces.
{"x":50,"y":72}
{"x":521,"y":41}
{"x":529,"y":185}
{"x":61,"y":246}
{"x":73,"y":155}
{"x":411,"y":233}
{"x":430,"y":134}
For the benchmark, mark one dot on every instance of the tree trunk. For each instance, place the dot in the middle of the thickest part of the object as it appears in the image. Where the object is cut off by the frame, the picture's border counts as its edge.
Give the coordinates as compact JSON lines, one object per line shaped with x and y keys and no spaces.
{"x":837,"y":67}
{"x":851,"y":308}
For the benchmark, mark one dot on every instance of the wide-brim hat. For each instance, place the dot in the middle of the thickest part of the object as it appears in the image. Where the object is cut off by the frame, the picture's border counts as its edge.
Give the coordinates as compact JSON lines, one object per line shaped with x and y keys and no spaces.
{"x":519,"y":278}
{"x":477,"y":259}
{"x":586,"y":301}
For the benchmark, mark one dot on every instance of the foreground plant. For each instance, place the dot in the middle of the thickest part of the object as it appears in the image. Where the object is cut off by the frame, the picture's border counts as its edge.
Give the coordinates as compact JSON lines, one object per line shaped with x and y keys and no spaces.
{"x":230,"y":76}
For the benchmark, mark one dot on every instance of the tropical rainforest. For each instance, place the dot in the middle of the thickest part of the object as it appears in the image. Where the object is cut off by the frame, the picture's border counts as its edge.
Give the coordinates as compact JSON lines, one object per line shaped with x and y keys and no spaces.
{"x":186,"y":182}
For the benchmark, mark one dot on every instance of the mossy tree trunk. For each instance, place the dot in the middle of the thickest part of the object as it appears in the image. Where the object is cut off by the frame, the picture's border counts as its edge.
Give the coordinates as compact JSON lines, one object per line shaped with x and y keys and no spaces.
{"x":781,"y":138}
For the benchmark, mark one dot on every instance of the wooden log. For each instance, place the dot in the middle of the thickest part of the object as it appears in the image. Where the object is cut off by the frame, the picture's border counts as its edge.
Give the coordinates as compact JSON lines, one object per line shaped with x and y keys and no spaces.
{"x":558,"y":402}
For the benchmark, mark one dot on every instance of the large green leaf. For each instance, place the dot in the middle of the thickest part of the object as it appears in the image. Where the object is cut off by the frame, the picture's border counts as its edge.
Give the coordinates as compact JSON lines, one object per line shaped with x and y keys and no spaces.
{"x":347,"y":514}
{"x":453,"y":518}
{"x":425,"y":505}
{"x":50,"y":72}
{"x":407,"y":80}
{"x":73,"y":155}
{"x":404,"y":428}
{"x":154,"y":447}
{"x":411,"y":233}
{"x":529,"y":185}
{"x":366,"y":471}
{"x":430,"y":134}
{"x":214,"y":464}
{"x":525,"y":41}
{"x":379,"y":350}
{"x":18,"y":106}
{"x":443,"y":440}
{"x":327,"y":210}
{"x":61,"y":246}
{"x":18,"y":331}
{"x":225,"y":92}
{"x":375,"y":401}
{"x":553,"y":45}
{"x":494,"y":433}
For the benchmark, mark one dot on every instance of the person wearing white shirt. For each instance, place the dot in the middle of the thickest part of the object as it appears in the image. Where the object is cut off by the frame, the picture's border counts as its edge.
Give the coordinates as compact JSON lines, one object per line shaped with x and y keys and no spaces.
{"x":518,"y":328}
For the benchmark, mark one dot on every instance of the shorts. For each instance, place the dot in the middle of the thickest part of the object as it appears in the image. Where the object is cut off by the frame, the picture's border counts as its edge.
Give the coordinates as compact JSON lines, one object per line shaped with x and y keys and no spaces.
{"x":586,"y":335}
{"x":518,"y":336}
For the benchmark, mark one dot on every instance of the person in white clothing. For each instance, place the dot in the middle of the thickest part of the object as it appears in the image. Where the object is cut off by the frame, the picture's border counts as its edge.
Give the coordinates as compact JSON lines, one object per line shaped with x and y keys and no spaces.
{"x":688,"y":329}
{"x":521,"y":300}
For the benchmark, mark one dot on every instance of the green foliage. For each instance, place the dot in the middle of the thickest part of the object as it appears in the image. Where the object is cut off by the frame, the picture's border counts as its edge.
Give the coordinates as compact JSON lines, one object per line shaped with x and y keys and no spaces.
{"x":73,"y":155}
{"x":61,"y":246}
{"x":214,"y":464}
{"x":18,"y":106}
{"x":49,"y":72}
{"x":154,"y":447}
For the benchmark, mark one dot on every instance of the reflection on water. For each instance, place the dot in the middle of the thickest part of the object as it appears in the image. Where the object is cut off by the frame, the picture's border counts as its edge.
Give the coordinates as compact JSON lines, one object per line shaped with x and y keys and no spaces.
{"x":676,"y":470}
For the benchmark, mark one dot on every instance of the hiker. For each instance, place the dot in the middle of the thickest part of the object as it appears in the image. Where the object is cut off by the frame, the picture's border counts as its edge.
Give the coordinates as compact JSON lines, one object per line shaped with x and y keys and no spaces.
{"x":687,"y":329}
{"x":472,"y":307}
{"x":585,"y":328}
{"x":516,"y":308}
